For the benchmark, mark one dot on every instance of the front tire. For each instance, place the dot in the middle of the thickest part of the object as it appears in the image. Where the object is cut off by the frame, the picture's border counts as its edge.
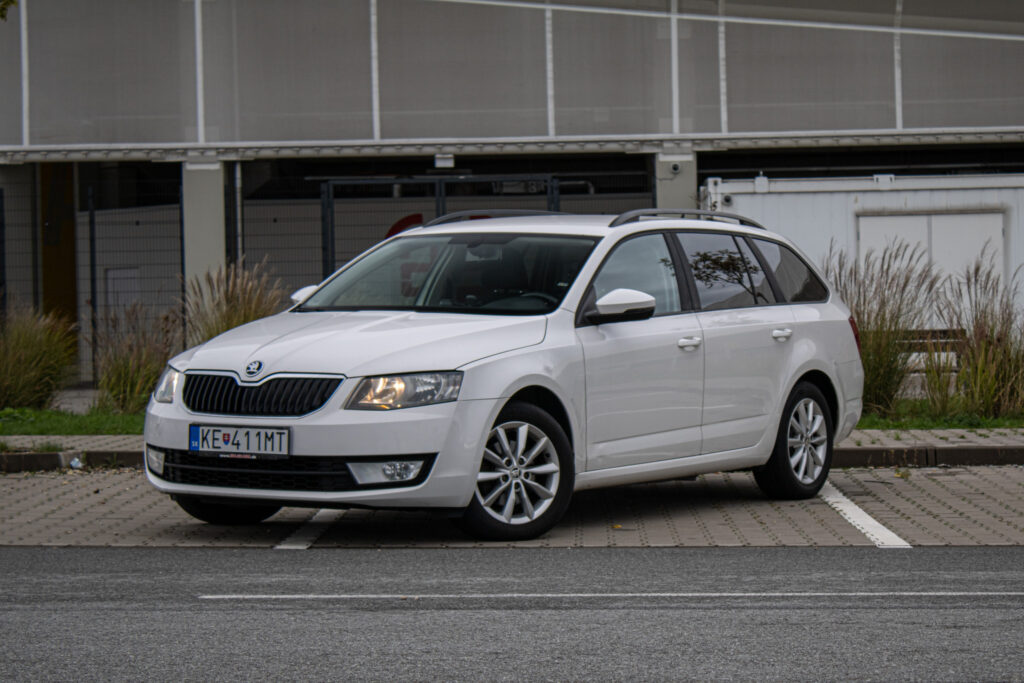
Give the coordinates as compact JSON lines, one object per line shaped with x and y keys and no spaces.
{"x":227,"y":514}
{"x":526,"y":477}
{"x":802,"y":456}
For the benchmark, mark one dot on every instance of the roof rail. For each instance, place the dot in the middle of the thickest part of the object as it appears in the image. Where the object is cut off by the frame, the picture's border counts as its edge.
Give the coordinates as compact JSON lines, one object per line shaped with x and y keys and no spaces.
{"x":637,"y":214}
{"x":457,"y":216}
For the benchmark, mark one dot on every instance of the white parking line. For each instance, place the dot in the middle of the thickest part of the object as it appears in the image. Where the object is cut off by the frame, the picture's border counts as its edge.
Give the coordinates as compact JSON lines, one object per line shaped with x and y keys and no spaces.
{"x":868,"y":525}
{"x":576,"y":596}
{"x":307,"y":534}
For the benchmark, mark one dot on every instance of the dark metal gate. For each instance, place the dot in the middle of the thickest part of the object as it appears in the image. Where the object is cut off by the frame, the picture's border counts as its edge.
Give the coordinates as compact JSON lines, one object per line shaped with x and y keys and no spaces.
{"x":356,"y":213}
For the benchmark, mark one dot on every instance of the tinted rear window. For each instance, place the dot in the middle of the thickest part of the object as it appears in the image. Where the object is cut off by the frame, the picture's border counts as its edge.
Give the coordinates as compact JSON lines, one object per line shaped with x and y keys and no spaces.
{"x":794,"y":277}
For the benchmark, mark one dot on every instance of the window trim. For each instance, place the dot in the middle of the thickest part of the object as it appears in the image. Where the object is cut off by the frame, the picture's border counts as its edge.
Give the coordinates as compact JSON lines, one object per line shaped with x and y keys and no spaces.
{"x":768,"y":273}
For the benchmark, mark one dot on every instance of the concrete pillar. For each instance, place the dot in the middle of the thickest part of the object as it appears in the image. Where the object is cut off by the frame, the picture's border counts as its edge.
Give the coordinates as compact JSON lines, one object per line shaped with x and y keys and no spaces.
{"x":202,"y":186}
{"x":676,"y":181}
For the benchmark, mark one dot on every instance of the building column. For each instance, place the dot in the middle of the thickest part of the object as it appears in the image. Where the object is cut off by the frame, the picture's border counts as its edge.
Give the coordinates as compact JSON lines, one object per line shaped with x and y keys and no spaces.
{"x":202,"y":187}
{"x":676,"y":181}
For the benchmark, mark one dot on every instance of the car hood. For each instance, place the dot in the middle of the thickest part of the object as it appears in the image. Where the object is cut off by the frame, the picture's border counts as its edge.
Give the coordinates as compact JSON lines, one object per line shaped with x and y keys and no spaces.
{"x":361,"y":343}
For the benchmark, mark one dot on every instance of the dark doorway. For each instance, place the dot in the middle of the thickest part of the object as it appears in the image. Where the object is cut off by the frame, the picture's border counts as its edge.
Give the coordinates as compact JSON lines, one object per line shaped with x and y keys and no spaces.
{"x":57,"y":223}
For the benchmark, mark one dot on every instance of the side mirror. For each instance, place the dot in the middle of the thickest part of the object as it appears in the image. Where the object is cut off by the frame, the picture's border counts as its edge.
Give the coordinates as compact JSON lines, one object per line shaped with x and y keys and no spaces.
{"x":620,"y":305}
{"x":301,"y":295}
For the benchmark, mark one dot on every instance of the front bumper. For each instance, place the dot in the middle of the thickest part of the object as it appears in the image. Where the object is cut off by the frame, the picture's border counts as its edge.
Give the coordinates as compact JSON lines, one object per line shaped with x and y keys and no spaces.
{"x":451,"y":435}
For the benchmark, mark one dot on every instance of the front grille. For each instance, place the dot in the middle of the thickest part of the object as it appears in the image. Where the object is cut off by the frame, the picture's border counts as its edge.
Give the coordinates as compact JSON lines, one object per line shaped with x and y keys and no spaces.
{"x":295,"y":473}
{"x":284,"y":396}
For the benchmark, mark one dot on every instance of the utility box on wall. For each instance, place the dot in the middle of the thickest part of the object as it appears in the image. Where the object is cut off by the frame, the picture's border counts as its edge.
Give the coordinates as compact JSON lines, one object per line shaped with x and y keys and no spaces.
{"x":951,"y":218}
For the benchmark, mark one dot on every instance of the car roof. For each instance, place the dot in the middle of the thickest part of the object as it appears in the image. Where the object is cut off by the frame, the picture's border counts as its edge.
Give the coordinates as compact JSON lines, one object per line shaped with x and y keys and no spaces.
{"x":590,"y":225}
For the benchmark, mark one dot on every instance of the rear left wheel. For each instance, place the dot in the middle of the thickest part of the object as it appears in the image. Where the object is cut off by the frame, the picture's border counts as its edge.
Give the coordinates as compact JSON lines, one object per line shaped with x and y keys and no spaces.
{"x":802,"y":456}
{"x":525,"y":478}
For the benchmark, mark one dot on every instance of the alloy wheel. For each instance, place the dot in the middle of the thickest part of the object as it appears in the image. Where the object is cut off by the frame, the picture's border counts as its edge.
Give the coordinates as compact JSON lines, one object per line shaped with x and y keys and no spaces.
{"x":519,"y":473}
{"x":807,"y":440}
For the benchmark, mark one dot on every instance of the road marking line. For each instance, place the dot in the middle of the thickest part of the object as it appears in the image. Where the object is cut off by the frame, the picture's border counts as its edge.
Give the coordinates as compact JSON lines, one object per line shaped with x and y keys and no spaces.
{"x":868,"y":525}
{"x":533,"y":596}
{"x":311,"y":530}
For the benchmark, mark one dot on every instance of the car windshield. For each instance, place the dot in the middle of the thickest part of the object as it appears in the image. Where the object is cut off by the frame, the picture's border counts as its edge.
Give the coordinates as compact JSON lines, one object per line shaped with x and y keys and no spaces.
{"x":494,"y":274}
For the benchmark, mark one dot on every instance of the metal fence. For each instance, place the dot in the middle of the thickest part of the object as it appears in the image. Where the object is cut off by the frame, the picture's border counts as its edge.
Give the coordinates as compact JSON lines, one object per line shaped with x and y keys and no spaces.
{"x":18,"y":246}
{"x":125,"y":256}
{"x":305,"y":240}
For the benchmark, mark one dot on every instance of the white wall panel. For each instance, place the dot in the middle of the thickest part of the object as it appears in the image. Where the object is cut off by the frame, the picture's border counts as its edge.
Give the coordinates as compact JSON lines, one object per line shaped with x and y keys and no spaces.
{"x":817,"y":212}
{"x":951,"y":242}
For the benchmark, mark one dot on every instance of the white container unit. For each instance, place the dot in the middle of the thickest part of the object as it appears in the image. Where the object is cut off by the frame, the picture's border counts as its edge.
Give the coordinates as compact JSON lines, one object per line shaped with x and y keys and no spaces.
{"x":952,"y":217}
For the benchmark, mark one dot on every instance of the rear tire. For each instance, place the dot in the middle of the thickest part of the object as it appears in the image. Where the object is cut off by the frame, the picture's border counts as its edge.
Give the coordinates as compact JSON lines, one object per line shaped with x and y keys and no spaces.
{"x":227,"y":514}
{"x":525,"y":479}
{"x":802,"y":456}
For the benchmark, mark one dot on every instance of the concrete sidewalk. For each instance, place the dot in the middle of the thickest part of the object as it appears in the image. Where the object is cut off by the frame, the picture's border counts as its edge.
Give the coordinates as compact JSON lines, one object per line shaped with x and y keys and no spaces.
{"x":864,"y":448}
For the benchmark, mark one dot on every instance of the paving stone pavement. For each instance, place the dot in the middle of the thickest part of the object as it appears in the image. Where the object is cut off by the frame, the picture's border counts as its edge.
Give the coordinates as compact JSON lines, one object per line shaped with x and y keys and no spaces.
{"x":924,"y":506}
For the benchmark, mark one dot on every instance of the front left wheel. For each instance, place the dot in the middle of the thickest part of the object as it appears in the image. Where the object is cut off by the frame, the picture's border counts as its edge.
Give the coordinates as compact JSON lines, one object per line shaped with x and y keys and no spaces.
{"x":228,"y":514}
{"x":525,"y":479}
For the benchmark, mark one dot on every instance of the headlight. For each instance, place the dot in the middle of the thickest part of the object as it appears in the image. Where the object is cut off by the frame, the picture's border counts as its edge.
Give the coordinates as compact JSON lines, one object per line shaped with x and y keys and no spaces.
{"x":405,"y":391}
{"x":167,"y":385}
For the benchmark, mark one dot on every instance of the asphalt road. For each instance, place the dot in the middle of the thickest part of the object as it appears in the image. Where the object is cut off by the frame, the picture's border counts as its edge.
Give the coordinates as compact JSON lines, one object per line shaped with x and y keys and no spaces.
{"x":488,"y":614}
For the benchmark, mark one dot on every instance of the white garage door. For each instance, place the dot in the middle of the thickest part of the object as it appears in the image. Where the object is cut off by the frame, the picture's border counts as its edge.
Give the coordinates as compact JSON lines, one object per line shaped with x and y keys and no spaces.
{"x":951,"y":240}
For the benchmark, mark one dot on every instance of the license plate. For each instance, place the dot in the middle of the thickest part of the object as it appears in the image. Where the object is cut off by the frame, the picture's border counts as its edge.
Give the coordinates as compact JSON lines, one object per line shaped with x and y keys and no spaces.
{"x":243,"y":442}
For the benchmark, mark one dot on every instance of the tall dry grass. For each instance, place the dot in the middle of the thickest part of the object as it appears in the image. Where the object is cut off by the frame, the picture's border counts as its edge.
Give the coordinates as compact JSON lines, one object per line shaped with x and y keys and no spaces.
{"x":37,"y":352}
{"x":890,"y":294}
{"x":228,"y":298}
{"x":990,"y":377}
{"x":131,"y":352}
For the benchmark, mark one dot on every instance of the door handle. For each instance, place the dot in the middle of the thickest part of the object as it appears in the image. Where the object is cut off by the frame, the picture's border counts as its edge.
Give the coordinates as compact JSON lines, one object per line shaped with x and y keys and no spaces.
{"x":689,"y":343}
{"x":782,"y":334}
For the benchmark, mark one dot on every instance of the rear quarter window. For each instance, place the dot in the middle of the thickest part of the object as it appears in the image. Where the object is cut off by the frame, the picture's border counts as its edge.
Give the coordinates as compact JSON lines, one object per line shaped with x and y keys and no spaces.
{"x":797,"y":282}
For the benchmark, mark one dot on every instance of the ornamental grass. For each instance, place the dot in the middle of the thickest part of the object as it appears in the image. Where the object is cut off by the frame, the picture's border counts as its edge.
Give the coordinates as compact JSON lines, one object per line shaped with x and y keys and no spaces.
{"x":132,"y":349}
{"x":890,"y":294}
{"x":37,"y":352}
{"x":228,"y":298}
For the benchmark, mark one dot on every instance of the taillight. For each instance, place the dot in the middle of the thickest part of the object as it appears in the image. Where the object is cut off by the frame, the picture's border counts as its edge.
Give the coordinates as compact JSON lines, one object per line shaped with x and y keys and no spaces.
{"x":856,"y":332}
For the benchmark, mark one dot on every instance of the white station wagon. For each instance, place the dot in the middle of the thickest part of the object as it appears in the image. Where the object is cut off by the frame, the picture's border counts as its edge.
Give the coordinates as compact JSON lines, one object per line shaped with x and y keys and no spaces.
{"x":493,"y":367}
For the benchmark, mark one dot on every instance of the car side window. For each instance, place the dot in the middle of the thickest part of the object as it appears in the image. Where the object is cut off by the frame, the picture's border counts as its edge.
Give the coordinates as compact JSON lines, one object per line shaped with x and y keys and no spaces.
{"x":796,"y":280}
{"x":642,"y":263}
{"x":720,"y":270}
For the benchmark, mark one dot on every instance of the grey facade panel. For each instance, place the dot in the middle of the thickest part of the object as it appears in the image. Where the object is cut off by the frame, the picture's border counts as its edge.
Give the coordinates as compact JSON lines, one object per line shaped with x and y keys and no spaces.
{"x":449,"y":70}
{"x":785,"y":78}
{"x":699,"y":93}
{"x":293,"y":71}
{"x":962,"y":82}
{"x":998,"y":16}
{"x":612,"y":74}
{"x":111,"y":71}
{"x":10,"y":79}
{"x":864,"y":12}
